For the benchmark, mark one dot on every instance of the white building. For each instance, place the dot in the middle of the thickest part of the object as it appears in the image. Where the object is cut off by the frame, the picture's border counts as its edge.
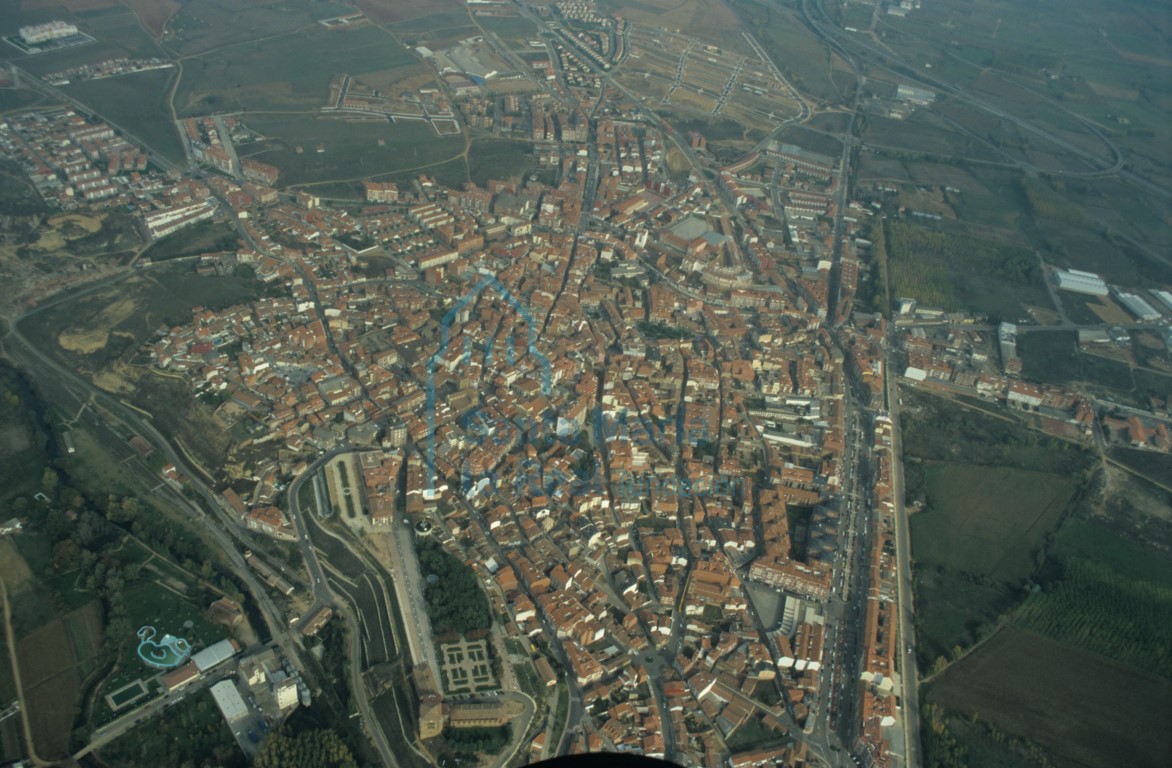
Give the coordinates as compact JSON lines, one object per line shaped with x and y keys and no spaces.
{"x":228,"y":699}
{"x":1138,"y":307}
{"x":215,"y":654}
{"x":1080,"y":282}
{"x":43,"y":33}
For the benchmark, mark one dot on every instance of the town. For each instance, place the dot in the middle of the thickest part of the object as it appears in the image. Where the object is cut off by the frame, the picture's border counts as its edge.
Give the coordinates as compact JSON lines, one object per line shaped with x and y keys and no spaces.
{"x":637,"y":394}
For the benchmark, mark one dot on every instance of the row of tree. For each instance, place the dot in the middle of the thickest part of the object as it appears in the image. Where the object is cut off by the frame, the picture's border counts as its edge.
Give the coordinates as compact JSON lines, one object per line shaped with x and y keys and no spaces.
{"x":1097,"y":608}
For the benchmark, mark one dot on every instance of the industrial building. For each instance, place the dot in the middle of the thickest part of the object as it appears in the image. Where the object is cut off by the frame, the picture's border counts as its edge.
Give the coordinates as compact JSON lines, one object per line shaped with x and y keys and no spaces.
{"x":912,"y":95}
{"x":1138,"y":307}
{"x":1165,"y":298}
{"x":1080,"y":282}
{"x":228,"y":699}
{"x":215,"y":655}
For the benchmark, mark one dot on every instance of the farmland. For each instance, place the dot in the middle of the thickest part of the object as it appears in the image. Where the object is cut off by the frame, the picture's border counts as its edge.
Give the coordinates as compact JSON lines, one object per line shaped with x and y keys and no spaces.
{"x":55,"y":659}
{"x":987,"y":520}
{"x":1027,"y":684}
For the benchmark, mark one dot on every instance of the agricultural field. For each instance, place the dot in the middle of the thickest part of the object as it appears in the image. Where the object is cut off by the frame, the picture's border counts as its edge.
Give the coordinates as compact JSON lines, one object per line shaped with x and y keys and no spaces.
{"x":987,"y":521}
{"x":55,"y":660}
{"x":960,"y":273}
{"x":803,"y":60}
{"x":350,"y":150}
{"x":1029,"y":685}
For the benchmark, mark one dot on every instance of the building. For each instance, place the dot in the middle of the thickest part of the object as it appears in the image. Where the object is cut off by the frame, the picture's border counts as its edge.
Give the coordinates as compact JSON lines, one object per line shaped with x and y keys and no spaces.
{"x":382,"y":192}
{"x":231,"y":704}
{"x":491,"y":714}
{"x":1080,"y":282}
{"x":180,"y":677}
{"x":919,"y":96}
{"x":1138,"y":307}
{"x":215,"y":654}
{"x":43,"y":33}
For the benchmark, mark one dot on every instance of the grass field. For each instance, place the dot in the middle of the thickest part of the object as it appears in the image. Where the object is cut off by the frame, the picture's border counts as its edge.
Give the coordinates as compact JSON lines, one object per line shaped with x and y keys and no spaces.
{"x":512,"y":29}
{"x":350,"y":150}
{"x":1085,"y":709}
{"x":488,"y":159}
{"x":18,"y":98}
{"x":987,"y":520}
{"x":137,"y":104}
{"x":284,"y":72}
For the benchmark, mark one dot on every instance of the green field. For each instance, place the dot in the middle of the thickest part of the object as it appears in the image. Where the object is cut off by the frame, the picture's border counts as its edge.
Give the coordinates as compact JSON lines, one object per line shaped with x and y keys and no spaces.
{"x":1086,"y":710}
{"x":350,"y":150}
{"x":18,"y":98}
{"x":284,"y":72}
{"x":506,"y":160}
{"x":137,"y":104}
{"x":987,"y":520}
{"x":960,"y":273}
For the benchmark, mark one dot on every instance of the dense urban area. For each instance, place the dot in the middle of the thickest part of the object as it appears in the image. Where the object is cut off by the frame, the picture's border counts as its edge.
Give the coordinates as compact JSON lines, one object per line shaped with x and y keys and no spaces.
{"x":732,"y":382}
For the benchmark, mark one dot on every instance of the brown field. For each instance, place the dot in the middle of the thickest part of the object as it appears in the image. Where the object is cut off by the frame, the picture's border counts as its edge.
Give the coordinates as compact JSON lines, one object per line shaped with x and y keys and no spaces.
{"x":96,"y":333}
{"x":1108,"y":311}
{"x":685,"y":98}
{"x":153,"y":14}
{"x":13,"y":569}
{"x":53,"y":660}
{"x":1085,"y":708}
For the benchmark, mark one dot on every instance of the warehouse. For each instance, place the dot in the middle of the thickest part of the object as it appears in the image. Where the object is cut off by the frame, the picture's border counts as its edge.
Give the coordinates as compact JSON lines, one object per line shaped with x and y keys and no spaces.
{"x":228,"y":699}
{"x":1080,"y":282}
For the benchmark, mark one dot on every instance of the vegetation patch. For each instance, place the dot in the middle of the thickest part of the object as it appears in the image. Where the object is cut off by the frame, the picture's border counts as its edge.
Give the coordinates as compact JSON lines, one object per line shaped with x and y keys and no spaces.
{"x":989,"y":521}
{"x":960,"y":273}
{"x":455,"y":600}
